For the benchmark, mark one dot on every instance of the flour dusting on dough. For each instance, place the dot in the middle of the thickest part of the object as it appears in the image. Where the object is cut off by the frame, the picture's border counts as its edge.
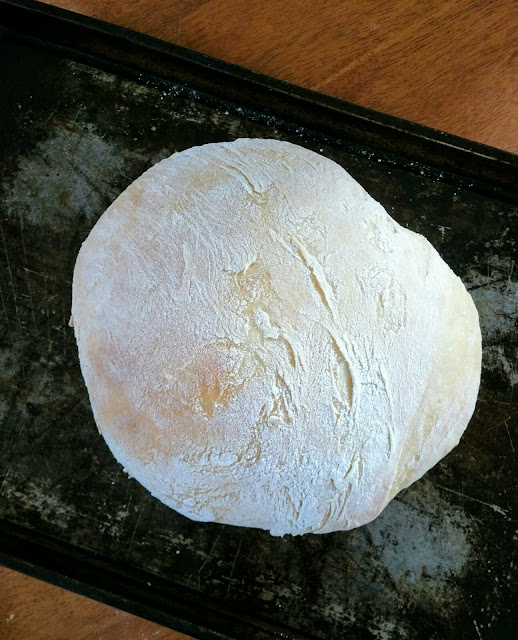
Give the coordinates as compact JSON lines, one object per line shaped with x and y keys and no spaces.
{"x":264,"y":346}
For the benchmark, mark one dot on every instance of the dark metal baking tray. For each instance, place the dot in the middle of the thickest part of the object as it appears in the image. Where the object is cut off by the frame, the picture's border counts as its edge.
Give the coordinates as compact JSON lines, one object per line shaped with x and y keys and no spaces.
{"x":85,"y":108}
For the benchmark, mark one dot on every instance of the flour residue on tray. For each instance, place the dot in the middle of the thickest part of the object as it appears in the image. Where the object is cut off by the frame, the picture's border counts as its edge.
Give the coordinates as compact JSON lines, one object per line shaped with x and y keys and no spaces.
{"x":68,"y":175}
{"x":494,"y":290}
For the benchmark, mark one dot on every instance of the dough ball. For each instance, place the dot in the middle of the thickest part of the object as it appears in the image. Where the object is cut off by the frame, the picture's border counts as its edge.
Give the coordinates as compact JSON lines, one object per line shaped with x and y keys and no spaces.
{"x":264,"y":346}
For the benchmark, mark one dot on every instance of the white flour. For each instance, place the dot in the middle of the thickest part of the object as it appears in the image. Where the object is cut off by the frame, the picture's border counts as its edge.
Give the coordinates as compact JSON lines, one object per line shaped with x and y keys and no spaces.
{"x":263,"y":345}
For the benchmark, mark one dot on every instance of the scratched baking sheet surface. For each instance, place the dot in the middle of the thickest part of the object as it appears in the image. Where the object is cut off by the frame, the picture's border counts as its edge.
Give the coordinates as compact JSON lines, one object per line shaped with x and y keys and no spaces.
{"x":441,"y":561}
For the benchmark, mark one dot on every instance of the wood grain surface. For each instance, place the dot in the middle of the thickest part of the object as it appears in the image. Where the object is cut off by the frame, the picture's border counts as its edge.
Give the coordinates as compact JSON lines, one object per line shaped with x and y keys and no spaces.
{"x":34,"y":610}
{"x":452,"y":65}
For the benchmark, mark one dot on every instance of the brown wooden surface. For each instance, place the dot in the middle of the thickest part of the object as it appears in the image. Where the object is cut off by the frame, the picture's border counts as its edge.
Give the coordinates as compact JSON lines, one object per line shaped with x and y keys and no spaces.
{"x":452,"y":65}
{"x":34,"y":610}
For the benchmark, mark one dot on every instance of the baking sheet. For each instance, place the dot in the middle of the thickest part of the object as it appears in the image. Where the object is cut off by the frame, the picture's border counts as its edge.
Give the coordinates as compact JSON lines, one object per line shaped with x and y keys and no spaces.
{"x":440,"y":562}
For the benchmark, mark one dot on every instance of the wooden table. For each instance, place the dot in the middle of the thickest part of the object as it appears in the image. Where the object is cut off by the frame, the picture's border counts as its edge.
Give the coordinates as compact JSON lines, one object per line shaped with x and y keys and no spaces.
{"x":452,"y":65}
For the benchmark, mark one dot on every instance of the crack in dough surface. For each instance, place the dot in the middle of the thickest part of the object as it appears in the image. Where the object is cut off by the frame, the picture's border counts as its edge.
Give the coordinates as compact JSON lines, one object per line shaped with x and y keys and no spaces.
{"x":264,"y":346}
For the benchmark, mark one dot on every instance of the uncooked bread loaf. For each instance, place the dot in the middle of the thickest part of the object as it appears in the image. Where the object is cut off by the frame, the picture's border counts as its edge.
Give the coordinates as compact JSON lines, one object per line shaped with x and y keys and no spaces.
{"x":264,"y":346}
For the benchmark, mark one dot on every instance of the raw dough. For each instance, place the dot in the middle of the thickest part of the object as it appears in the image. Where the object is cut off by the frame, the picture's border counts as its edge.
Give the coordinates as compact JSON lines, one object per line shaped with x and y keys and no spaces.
{"x":265,"y":346}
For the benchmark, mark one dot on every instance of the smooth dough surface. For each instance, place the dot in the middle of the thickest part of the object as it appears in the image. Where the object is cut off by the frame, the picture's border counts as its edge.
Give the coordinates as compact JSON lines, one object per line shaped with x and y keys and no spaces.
{"x":263,"y":345}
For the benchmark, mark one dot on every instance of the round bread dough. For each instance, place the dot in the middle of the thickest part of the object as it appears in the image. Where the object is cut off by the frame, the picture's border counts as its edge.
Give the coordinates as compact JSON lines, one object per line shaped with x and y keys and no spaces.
{"x":265,"y":346}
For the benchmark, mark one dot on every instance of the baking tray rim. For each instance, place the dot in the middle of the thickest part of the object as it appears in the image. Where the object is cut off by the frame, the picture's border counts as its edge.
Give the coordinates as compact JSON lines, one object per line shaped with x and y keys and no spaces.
{"x":120,"y":50}
{"x":130,"y":589}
